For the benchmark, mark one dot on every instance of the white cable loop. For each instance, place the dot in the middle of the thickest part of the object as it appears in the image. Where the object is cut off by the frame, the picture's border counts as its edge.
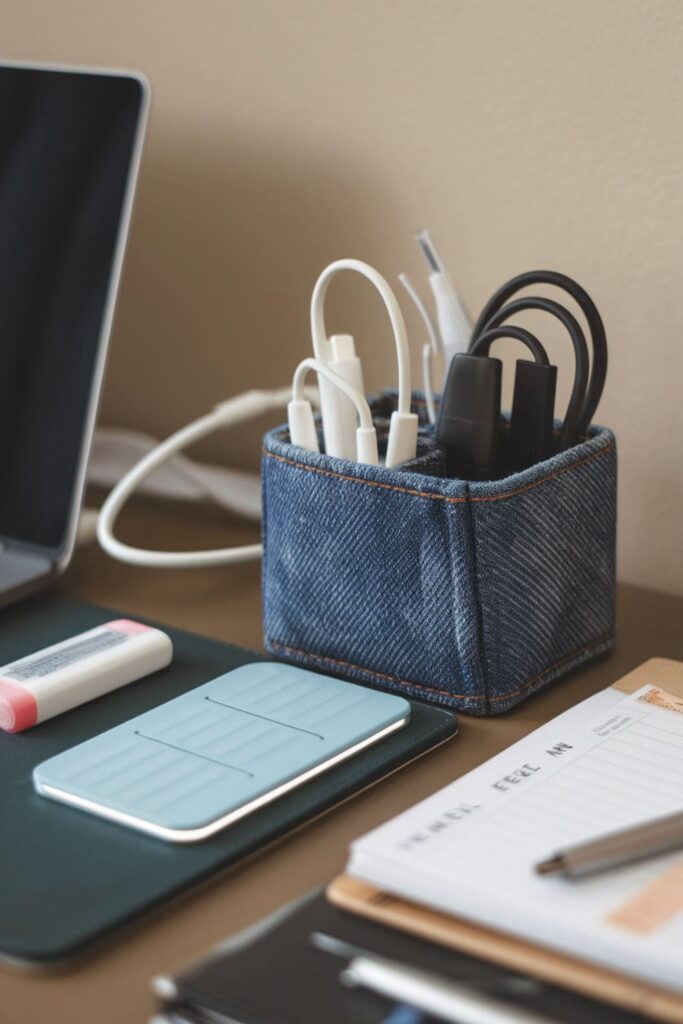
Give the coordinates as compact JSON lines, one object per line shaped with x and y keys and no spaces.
{"x":235,"y":410}
{"x":319,"y":333}
{"x":115,"y":450}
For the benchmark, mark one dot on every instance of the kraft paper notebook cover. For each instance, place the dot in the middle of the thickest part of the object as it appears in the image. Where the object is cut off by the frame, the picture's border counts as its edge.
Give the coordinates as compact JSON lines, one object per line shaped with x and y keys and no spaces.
{"x":69,"y":878}
{"x":617,"y":935}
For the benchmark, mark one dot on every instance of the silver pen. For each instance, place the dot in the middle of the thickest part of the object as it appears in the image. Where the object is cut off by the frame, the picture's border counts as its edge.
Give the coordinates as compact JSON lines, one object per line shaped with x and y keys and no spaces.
{"x":660,"y":835}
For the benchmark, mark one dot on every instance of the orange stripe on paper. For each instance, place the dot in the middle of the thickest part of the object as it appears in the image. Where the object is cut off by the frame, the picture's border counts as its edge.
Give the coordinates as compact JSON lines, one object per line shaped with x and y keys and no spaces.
{"x":654,"y":905}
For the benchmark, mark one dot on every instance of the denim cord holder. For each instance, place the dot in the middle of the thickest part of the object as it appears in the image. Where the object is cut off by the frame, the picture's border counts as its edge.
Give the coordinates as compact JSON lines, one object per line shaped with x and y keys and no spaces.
{"x":467,"y":594}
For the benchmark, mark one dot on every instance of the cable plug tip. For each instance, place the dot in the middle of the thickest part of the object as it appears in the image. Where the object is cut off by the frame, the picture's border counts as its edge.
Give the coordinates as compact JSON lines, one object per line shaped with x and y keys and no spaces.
{"x":302,"y":432}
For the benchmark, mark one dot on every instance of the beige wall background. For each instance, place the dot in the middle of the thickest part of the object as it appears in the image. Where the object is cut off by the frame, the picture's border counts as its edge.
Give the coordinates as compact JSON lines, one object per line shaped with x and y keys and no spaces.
{"x":286,"y":134}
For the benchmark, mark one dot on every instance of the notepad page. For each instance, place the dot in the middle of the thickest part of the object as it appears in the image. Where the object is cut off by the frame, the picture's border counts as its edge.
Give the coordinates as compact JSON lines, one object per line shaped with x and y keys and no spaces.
{"x":470,"y":849}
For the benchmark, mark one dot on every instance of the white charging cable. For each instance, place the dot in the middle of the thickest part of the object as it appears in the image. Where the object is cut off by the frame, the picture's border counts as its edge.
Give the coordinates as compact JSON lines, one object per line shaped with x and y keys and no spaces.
{"x":401,"y":446}
{"x":235,"y":410}
{"x":115,"y":450}
{"x":338,"y":415}
{"x":302,"y":430}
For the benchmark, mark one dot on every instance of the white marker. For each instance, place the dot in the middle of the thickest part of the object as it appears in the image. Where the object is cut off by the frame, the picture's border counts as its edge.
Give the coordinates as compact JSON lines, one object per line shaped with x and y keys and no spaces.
{"x":454,"y":324}
{"x":77,"y":670}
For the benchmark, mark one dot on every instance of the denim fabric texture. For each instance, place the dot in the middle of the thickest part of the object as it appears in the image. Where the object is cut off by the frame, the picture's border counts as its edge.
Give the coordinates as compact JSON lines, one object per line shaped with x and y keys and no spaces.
{"x":470,"y":595}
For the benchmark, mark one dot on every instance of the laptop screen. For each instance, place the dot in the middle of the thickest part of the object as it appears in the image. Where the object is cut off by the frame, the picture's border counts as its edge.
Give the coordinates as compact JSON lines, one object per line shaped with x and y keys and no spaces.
{"x":67,"y":150}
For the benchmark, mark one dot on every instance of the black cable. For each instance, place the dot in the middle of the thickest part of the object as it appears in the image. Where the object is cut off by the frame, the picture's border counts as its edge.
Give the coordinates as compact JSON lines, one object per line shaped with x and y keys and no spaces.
{"x":480,"y":346}
{"x":571,"y":419}
{"x":590,"y":311}
{"x":530,"y":438}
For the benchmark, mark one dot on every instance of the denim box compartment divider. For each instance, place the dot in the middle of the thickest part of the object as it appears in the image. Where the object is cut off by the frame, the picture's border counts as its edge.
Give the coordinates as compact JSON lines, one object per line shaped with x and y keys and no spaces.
{"x":470,"y":595}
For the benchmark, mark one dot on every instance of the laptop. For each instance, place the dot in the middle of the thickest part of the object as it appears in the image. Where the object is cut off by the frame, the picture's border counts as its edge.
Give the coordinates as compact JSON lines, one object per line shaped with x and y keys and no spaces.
{"x":70,"y":143}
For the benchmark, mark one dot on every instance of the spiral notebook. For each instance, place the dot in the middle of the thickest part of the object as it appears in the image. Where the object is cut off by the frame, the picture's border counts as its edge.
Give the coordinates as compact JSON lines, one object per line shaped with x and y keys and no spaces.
{"x":470,"y":849}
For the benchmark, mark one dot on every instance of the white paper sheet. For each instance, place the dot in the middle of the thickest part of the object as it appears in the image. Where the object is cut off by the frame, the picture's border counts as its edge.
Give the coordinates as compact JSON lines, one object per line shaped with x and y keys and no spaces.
{"x":470,"y":849}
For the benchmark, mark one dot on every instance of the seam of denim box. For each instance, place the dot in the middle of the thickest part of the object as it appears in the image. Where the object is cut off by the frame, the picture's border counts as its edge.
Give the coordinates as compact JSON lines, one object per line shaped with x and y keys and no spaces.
{"x":449,"y":499}
{"x":478,"y":616}
{"x":469,"y":656}
{"x":277,"y":645}
{"x":471,"y":664}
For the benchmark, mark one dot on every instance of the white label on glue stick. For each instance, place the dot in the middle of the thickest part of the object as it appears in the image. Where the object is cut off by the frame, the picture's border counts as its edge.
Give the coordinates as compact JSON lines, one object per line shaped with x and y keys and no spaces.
{"x":61,"y":677}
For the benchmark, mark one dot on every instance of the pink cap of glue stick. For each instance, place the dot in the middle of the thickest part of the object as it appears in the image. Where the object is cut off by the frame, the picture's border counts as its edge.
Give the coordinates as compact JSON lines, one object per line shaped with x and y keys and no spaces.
{"x":69,"y":673}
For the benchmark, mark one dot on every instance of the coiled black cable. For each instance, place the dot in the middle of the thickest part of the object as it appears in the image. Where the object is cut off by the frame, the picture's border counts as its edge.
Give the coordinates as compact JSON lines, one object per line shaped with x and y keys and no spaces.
{"x":572,"y":416}
{"x":583,"y":414}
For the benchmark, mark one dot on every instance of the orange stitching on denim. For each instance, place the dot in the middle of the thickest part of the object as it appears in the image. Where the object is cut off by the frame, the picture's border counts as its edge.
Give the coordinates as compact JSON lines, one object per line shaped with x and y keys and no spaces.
{"x":451,"y":500}
{"x":432,"y":689}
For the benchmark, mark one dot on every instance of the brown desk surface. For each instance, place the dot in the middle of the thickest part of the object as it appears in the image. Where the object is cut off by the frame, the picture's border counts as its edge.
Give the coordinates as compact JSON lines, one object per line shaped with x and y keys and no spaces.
{"x":114,"y":985}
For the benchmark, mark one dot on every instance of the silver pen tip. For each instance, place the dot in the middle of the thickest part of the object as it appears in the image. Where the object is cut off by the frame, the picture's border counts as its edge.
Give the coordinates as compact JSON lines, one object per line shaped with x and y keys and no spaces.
{"x":550,"y":866}
{"x":424,"y":240}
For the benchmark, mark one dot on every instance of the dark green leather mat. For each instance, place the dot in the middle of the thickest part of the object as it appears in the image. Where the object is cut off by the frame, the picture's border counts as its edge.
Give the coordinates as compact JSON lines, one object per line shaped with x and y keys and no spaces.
{"x":68,"y":878}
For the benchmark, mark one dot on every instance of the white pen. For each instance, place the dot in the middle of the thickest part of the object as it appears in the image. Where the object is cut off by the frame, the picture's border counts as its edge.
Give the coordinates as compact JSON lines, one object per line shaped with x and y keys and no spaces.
{"x":433,"y":995}
{"x":455,"y":327}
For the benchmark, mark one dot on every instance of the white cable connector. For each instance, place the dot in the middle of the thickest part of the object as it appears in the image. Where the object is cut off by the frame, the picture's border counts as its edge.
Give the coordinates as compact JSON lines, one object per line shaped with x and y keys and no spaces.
{"x":340,"y":435}
{"x":302,"y":430}
{"x":402,"y":443}
{"x":454,"y":324}
{"x":87,"y":527}
{"x":429,"y":349}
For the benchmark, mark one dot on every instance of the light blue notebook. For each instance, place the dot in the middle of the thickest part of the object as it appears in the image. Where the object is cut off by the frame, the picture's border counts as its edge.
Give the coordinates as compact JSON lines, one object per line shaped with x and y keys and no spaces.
{"x":193,"y":766}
